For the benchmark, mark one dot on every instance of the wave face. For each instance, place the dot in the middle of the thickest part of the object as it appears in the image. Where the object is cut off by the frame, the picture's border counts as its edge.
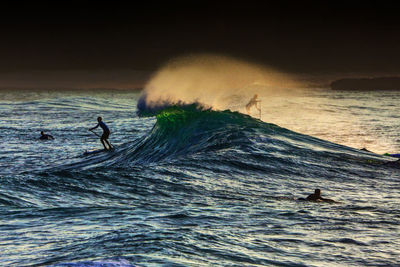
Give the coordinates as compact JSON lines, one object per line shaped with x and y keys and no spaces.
{"x":193,"y":186}
{"x":191,"y":132}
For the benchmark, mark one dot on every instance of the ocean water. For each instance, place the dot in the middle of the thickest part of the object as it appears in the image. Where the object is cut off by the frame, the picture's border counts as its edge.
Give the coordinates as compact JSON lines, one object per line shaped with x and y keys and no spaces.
{"x":193,"y":187}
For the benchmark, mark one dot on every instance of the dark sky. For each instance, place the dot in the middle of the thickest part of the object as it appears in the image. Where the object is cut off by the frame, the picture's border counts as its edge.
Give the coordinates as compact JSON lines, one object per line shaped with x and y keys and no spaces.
{"x":309,"y":36}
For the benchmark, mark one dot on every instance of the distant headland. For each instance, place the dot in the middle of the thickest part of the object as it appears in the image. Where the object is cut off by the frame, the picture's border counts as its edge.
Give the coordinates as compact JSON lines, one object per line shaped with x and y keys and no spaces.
{"x":379,"y":83}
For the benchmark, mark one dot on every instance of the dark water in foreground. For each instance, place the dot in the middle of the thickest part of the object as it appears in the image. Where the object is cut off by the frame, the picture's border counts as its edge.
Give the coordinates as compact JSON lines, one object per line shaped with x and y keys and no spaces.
{"x":185,"y":188}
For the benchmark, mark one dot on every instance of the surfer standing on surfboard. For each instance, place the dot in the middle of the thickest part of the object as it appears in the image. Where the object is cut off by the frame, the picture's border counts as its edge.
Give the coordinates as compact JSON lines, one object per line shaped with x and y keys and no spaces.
{"x":106,"y":133}
{"x":252,"y":102}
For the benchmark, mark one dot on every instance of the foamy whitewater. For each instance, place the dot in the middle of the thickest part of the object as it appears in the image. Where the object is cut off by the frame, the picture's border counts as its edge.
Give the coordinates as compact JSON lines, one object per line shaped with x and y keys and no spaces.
{"x":192,"y":185}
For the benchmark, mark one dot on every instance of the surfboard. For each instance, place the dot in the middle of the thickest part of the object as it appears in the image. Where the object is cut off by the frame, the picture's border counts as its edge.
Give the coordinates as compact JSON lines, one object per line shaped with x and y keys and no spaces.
{"x":96,"y":151}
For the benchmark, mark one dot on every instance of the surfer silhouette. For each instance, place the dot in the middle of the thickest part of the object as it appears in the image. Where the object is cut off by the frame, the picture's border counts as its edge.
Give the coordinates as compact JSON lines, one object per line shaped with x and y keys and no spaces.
{"x":105,"y":135}
{"x":253,"y":102}
{"x":316,"y":196}
{"x":44,"y":136}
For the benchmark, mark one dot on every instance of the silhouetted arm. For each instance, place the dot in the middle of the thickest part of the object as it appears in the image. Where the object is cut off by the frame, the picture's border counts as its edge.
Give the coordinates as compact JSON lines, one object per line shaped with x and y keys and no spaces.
{"x":94,"y":127}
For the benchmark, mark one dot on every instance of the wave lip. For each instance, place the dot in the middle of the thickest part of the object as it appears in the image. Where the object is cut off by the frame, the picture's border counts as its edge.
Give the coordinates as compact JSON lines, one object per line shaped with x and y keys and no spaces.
{"x":148,"y":108}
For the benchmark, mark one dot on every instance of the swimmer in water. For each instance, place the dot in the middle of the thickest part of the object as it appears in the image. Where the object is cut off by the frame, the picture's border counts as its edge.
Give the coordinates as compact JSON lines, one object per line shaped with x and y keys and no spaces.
{"x":44,"y":136}
{"x":316,"y":196}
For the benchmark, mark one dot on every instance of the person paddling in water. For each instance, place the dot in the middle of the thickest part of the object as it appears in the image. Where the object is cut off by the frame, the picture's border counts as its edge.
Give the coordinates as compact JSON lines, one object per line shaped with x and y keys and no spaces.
{"x":317,"y":197}
{"x":105,"y":135}
{"x":44,"y":136}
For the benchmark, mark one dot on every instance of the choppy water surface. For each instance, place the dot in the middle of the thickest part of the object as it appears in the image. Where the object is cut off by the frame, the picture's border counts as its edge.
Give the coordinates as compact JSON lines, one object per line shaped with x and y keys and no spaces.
{"x":199,"y":188}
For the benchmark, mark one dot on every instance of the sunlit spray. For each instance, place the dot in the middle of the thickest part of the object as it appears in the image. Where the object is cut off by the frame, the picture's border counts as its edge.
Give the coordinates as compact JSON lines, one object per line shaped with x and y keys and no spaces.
{"x":214,"y":81}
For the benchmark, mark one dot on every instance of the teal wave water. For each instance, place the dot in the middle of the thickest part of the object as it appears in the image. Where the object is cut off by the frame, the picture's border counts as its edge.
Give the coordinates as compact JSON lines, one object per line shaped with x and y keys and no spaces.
{"x":185,"y":186}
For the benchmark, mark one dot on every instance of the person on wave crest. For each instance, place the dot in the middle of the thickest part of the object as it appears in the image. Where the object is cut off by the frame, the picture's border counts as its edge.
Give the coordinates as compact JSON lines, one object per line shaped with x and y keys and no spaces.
{"x":252,"y":102}
{"x":317,"y":197}
{"x":44,"y":136}
{"x":105,"y":135}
